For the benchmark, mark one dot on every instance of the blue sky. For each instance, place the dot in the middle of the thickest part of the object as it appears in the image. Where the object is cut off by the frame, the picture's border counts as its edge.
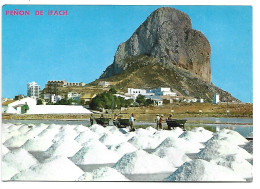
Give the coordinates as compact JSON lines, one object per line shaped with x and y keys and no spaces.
{"x":78,"y":47}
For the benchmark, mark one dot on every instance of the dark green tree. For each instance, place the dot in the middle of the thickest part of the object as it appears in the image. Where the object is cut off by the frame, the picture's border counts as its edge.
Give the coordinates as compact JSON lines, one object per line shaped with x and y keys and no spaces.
{"x":140,"y":99}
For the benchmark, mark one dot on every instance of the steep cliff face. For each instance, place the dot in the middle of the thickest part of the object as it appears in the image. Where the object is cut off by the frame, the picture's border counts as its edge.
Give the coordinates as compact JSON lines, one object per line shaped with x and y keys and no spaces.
{"x":167,"y":35}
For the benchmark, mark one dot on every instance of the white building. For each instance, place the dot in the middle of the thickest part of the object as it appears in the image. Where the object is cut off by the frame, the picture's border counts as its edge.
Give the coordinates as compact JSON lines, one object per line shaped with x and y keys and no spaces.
{"x":55,"y":98}
{"x":135,"y":92}
{"x":162,"y":92}
{"x":104,"y":83}
{"x":15,"y":107}
{"x":33,"y":90}
{"x":73,"y":95}
{"x":52,"y":98}
{"x":216,"y":98}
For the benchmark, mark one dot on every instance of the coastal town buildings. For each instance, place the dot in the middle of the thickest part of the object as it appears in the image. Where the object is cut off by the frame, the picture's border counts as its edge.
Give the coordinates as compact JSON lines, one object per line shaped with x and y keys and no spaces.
{"x":33,"y":90}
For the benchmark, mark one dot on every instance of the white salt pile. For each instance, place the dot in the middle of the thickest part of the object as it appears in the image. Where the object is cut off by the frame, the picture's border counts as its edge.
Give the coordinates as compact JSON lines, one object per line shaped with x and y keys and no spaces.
{"x":54,"y":126}
{"x":57,"y":168}
{"x":14,"y":127}
{"x":201,"y":170}
{"x":16,"y":141}
{"x":98,"y":129}
{"x":181,"y":144}
{"x":85,"y":136}
{"x":145,"y":132}
{"x":8,"y":170}
{"x":112,"y":138}
{"x":81,"y":128}
{"x":129,"y":135}
{"x":123,"y":148}
{"x":49,"y":133}
{"x":218,"y":148}
{"x":140,"y":162}
{"x":37,"y":144}
{"x":4,"y":150}
{"x":63,"y":147}
{"x":239,"y":165}
{"x":230,"y":136}
{"x":8,"y":134}
{"x":174,"y":155}
{"x":103,"y":174}
{"x":163,"y":134}
{"x":197,"y":135}
{"x":94,"y":152}
{"x":151,"y":129}
{"x":35,"y":131}
{"x":20,"y":159}
{"x":112,"y":129}
{"x":144,"y":141}
{"x":66,"y":133}
{"x":25,"y":128}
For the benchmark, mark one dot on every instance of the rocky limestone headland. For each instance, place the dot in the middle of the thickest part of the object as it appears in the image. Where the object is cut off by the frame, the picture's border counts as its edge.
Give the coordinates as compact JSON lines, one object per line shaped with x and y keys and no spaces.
{"x":167,"y":35}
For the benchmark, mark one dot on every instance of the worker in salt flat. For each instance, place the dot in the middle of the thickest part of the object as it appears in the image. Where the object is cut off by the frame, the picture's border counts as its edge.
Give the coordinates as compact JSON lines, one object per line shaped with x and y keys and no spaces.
{"x":157,"y":119}
{"x":131,"y":122}
{"x":160,"y":122}
{"x":169,"y":117}
{"x":91,"y":119}
{"x":116,"y":120}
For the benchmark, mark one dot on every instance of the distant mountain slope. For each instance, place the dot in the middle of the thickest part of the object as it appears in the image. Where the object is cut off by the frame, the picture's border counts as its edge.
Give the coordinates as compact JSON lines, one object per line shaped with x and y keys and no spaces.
{"x":148,"y":72}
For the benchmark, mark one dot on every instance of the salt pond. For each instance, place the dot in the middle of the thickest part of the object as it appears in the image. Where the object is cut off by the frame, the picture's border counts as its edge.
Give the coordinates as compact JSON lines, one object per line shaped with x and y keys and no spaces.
{"x":70,"y":151}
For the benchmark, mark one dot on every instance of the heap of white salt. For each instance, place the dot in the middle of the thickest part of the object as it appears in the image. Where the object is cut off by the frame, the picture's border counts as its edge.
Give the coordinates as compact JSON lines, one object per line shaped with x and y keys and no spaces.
{"x":37,"y":144}
{"x":25,"y":128}
{"x":8,"y":170}
{"x":144,"y":132}
{"x":181,"y":144}
{"x":217,"y":148}
{"x":175,"y":156}
{"x":239,"y":165}
{"x":163,"y":134}
{"x":197,"y":134}
{"x":35,"y":131}
{"x":103,"y":174}
{"x":81,"y":128}
{"x":201,"y":170}
{"x":50,"y":132}
{"x":94,"y":152}
{"x":229,"y":136}
{"x":98,"y":129}
{"x":144,"y":141}
{"x":4,"y":150}
{"x":140,"y":162}
{"x":20,"y":159}
{"x":57,"y":168}
{"x":66,"y":133}
{"x":123,"y":148}
{"x":85,"y":136}
{"x":16,"y":141}
{"x":7,"y":134}
{"x":63,"y":147}
{"x":112,"y":138}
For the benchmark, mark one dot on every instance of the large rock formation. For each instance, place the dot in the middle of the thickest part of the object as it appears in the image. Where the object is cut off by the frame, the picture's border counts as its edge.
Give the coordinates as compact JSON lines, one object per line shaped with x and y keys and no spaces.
{"x":167,"y":35}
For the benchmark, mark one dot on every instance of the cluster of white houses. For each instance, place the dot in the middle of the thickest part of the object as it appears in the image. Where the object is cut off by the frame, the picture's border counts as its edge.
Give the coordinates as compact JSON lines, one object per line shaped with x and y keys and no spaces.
{"x":158,"y":95}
